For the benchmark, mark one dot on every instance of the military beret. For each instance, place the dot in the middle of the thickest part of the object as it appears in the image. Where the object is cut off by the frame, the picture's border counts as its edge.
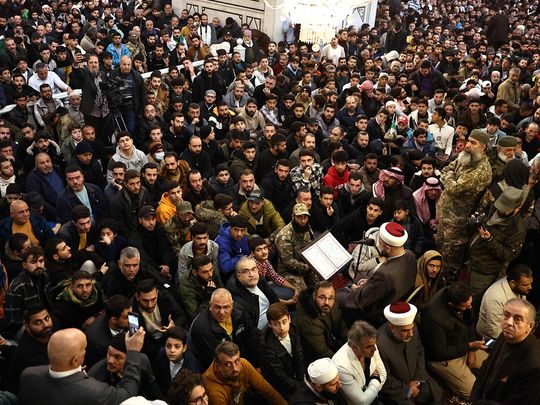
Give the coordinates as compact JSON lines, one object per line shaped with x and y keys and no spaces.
{"x":508,"y":142}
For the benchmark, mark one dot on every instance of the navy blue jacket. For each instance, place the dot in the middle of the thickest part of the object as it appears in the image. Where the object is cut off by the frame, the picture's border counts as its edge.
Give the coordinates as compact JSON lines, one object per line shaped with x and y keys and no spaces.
{"x":68,"y":200}
{"x":41,"y":229}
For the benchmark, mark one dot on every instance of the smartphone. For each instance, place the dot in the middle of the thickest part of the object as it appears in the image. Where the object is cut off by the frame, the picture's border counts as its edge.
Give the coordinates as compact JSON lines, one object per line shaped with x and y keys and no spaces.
{"x":133,"y":321}
{"x":490,"y":342}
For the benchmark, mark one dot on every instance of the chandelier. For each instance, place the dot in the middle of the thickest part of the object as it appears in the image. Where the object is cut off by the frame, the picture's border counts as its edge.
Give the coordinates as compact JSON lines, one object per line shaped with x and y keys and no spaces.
{"x":319,"y":19}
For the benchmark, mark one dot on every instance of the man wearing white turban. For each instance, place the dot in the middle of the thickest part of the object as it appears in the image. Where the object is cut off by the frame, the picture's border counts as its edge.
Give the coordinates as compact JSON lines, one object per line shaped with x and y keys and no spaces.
{"x":401,"y":350}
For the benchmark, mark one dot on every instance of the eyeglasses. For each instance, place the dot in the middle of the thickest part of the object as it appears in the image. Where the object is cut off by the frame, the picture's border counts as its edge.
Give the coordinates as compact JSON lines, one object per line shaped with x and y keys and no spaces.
{"x":254,"y":270}
{"x":202,"y":400}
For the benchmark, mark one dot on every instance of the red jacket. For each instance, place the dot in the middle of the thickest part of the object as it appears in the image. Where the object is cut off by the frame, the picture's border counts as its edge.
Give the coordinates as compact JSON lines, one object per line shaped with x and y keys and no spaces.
{"x":333,"y":179}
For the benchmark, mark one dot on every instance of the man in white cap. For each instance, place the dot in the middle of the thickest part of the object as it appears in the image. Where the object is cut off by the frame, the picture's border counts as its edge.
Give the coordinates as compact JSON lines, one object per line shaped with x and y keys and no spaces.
{"x":321,"y":385}
{"x":401,"y":350}
{"x":391,"y":282}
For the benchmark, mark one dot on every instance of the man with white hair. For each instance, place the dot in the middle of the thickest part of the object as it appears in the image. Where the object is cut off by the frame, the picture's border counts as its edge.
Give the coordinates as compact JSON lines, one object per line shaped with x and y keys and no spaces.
{"x":510,"y":374}
{"x":500,"y":155}
{"x":402,"y":352}
{"x":321,"y":385}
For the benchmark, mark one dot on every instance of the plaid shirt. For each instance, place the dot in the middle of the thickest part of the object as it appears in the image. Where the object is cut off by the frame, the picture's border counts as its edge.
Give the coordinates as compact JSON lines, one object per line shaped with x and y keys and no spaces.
{"x":267,"y":271}
{"x":314,"y":181}
{"x":24,"y":291}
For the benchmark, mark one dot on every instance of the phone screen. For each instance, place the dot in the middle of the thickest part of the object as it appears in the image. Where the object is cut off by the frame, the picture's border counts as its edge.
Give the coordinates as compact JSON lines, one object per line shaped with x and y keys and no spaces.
{"x":133,"y":321}
{"x":489,"y":342}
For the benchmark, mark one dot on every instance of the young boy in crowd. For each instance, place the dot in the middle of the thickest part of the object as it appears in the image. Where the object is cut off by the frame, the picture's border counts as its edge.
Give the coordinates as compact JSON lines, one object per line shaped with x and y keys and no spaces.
{"x":412,"y":225}
{"x":170,"y":359}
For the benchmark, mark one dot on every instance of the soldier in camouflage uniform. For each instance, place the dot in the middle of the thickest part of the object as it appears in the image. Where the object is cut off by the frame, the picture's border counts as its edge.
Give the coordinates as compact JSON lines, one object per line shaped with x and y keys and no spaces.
{"x":497,"y":243}
{"x":500,"y":155}
{"x":178,"y":227}
{"x":464,"y":180}
{"x":290,"y":241}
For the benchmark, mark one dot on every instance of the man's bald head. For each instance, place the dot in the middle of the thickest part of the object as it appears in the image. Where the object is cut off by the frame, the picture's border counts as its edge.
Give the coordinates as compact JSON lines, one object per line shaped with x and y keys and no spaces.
{"x":221,"y":305}
{"x":220,"y":293}
{"x":43,"y":163}
{"x":125,"y":64}
{"x":66,"y":349}
{"x":18,"y":205}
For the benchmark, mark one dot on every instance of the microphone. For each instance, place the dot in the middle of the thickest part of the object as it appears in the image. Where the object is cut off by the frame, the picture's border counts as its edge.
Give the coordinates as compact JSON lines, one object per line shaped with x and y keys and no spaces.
{"x":366,"y":241}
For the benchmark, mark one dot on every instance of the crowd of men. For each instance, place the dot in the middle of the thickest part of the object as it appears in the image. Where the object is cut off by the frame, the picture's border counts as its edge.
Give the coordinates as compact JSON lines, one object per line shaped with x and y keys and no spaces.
{"x":160,"y":175}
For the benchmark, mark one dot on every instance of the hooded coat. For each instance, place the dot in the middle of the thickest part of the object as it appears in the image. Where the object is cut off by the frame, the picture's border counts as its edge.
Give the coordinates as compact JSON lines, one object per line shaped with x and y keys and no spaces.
{"x":333,"y":179}
{"x":230,"y":250}
{"x":136,"y":161}
{"x":425,"y":286}
{"x":321,"y":336}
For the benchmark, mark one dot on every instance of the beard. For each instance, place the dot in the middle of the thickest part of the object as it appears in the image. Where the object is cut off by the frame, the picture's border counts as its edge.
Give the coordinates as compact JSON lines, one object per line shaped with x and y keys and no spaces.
{"x":299,"y":228}
{"x":504,"y":158}
{"x":329,"y":395}
{"x":466,"y":158}
{"x":233,"y":378}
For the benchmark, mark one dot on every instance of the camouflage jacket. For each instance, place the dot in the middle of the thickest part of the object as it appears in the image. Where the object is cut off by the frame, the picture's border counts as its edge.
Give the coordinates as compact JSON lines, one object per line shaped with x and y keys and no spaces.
{"x":491,"y":256}
{"x":463,"y":190}
{"x":289,"y":243}
{"x":205,"y":212}
{"x":177,"y":235}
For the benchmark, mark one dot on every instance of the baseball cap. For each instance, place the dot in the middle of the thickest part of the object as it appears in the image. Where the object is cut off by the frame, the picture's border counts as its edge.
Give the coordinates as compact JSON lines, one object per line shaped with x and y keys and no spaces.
{"x":300,"y":209}
{"x":183,"y":207}
{"x":147,"y":211}
{"x":255,"y":195}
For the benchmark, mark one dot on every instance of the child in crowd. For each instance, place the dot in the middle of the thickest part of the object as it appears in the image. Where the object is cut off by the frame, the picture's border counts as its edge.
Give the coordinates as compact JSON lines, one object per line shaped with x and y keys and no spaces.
{"x":170,"y":360}
{"x":110,"y":244}
{"x":412,"y":225}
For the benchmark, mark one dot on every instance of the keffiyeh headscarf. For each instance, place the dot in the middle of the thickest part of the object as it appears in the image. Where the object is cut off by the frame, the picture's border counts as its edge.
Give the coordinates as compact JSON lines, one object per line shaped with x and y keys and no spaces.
{"x":385,"y":174}
{"x":420,"y":198}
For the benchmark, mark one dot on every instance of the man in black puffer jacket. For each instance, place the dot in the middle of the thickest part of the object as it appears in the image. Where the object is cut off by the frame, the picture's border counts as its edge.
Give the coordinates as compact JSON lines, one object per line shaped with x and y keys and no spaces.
{"x":448,"y":333}
{"x":251,"y":293}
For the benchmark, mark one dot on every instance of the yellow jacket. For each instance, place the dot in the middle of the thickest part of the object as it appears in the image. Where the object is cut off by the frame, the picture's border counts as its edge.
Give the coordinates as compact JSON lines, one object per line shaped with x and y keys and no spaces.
{"x":166,"y":209}
{"x":232,"y":393}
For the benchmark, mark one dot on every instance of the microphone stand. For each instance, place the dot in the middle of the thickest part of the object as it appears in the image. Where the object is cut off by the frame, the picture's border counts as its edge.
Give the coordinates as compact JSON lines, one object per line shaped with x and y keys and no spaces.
{"x":362,"y":244}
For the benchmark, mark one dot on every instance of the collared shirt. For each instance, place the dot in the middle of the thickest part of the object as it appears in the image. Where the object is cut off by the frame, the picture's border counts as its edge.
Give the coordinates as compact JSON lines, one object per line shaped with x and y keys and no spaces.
{"x":286,"y":343}
{"x":64,"y":374}
{"x":267,"y":271}
{"x":264,"y":303}
{"x":24,"y":291}
{"x":174,"y":368}
{"x":314,"y":181}
{"x":114,"y":332}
